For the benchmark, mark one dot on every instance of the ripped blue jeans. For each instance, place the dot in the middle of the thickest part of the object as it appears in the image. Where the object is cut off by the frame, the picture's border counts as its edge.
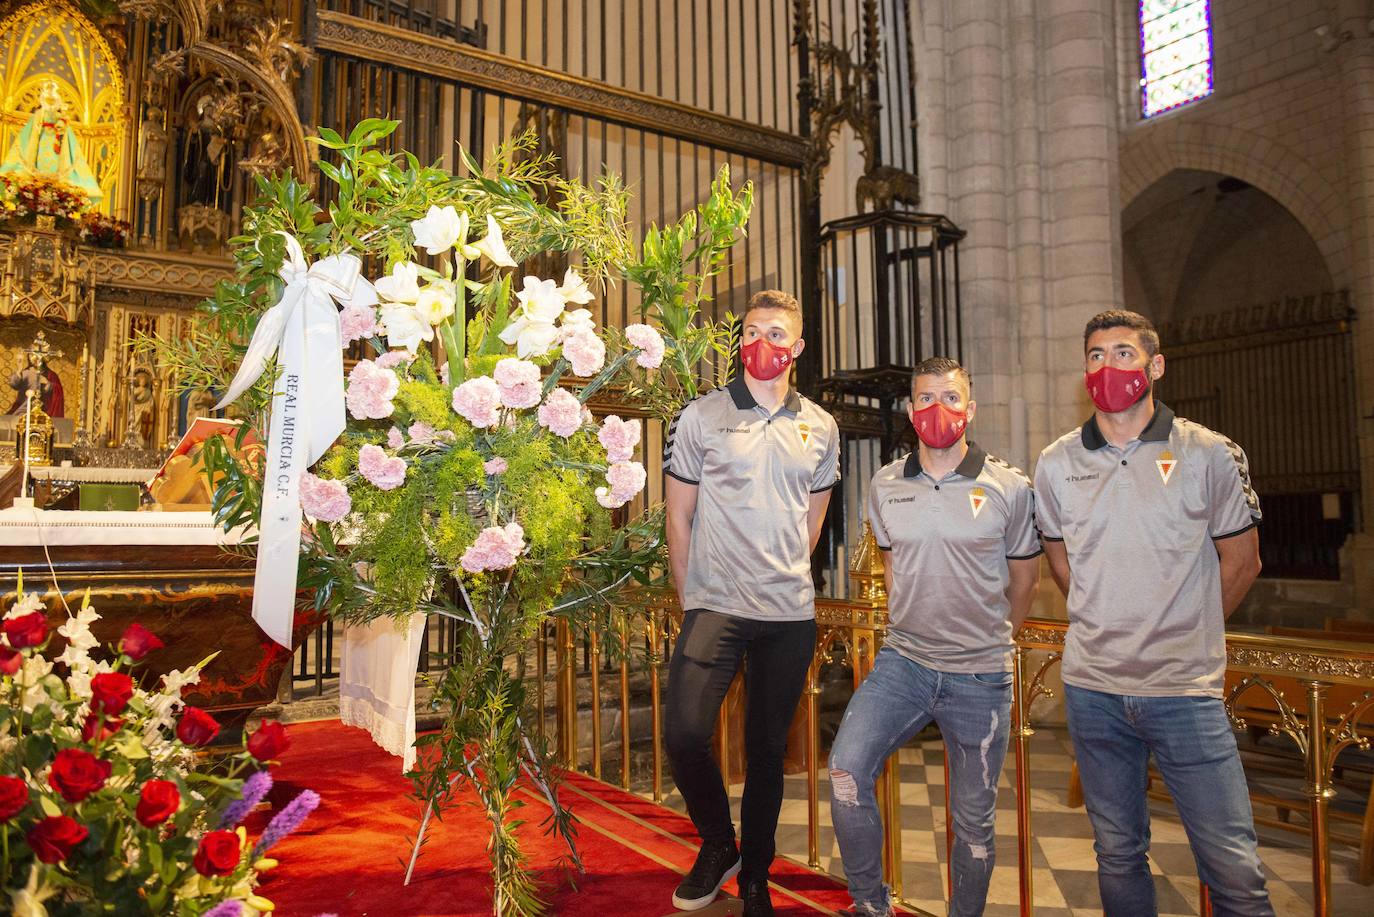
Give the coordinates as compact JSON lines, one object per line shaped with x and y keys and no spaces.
{"x":895,"y":702}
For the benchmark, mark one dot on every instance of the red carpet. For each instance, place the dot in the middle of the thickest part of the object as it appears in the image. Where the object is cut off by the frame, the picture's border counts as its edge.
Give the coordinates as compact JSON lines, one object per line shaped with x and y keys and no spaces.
{"x":349,"y":858}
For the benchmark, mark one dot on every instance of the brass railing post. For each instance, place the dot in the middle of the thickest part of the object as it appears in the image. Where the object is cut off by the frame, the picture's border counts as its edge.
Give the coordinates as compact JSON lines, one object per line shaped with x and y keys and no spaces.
{"x":813,"y":763}
{"x":625,"y":626}
{"x":1021,"y":733}
{"x":595,"y":652}
{"x":655,"y":636}
{"x":1319,"y":794}
{"x":565,"y":695}
{"x":541,"y":669}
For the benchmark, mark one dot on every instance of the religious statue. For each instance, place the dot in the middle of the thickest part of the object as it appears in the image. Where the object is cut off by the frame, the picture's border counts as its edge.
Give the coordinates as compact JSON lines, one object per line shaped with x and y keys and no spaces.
{"x":46,"y":145}
{"x":38,"y":377}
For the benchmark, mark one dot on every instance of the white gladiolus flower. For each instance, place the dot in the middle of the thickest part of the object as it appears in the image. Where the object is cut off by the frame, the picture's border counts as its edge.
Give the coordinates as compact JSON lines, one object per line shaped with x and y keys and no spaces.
{"x":492,"y":247}
{"x":402,"y":284}
{"x":575,"y":289}
{"x":435,"y":302}
{"x":440,"y":229}
{"x":531,"y":339}
{"x":405,"y":326}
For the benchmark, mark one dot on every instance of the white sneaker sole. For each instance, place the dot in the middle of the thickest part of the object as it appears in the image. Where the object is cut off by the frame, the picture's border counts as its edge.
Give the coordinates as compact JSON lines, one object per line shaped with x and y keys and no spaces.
{"x":696,"y":904}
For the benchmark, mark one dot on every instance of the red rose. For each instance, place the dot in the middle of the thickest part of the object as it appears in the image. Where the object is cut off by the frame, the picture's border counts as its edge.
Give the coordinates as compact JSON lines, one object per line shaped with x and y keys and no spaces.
{"x":77,"y":774}
{"x":138,"y":641}
{"x":157,"y":803}
{"x":268,"y":743}
{"x":98,"y":727}
{"x":110,"y":691}
{"x":14,"y":795}
{"x":53,"y":838}
{"x":197,"y":727}
{"x":27,"y":630}
{"x":10,"y":660}
{"x":218,"y":854}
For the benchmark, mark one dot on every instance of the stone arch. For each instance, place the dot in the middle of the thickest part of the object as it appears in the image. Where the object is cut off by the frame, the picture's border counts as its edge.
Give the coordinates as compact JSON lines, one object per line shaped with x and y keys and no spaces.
{"x":1275,"y":169}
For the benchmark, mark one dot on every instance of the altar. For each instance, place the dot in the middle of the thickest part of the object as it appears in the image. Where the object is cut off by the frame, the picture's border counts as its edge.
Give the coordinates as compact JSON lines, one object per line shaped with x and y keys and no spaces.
{"x":176,"y":573}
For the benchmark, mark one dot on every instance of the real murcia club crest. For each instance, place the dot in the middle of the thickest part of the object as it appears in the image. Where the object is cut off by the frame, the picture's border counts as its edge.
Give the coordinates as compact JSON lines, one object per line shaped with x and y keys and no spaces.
{"x":977,"y":499}
{"x":1166,"y":463}
{"x":804,"y":429}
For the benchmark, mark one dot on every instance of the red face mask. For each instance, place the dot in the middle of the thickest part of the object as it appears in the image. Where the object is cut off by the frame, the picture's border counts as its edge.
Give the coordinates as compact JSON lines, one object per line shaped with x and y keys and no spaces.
{"x":765,"y":360}
{"x":1114,"y":390}
{"x":939,"y":427}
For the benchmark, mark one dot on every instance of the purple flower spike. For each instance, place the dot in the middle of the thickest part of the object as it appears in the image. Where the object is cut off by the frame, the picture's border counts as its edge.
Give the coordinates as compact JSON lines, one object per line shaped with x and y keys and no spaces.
{"x":225,"y":909}
{"x":255,"y":789}
{"x":287,"y":821}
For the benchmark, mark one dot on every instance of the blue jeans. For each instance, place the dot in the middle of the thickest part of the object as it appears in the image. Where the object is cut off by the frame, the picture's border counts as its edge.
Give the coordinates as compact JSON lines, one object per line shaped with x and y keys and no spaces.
{"x":895,"y":702}
{"x":1195,"y":751}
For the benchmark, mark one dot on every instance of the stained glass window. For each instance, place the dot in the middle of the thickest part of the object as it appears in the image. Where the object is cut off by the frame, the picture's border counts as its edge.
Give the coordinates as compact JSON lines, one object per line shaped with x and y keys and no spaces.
{"x":1175,"y":53}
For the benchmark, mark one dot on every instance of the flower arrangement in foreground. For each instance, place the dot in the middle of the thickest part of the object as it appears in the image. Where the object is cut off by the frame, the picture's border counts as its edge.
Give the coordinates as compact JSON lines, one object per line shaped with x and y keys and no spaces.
{"x":472,"y":479}
{"x":105,"y":807}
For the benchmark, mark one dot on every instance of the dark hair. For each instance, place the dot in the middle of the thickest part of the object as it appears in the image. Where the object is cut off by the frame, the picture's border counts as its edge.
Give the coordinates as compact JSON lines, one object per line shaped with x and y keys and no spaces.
{"x":775,"y":299}
{"x":941,"y":366}
{"x":1121,"y":318}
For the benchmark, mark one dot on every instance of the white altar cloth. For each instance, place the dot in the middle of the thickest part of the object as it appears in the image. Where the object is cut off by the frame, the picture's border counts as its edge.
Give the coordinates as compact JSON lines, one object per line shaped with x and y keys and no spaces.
{"x":88,"y":475}
{"x":33,"y":527}
{"x":377,"y":682}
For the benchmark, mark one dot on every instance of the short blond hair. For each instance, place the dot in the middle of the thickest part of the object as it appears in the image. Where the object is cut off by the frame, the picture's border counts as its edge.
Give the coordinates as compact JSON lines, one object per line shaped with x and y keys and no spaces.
{"x":775,"y":299}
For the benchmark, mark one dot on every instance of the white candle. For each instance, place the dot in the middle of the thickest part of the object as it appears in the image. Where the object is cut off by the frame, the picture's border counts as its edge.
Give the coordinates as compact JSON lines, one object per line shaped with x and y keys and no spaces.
{"x":24,"y":475}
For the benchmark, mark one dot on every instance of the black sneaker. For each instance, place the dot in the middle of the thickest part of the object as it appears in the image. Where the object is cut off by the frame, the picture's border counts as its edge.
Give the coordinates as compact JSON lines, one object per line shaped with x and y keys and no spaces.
{"x":716,"y":864}
{"x":757,"y":902}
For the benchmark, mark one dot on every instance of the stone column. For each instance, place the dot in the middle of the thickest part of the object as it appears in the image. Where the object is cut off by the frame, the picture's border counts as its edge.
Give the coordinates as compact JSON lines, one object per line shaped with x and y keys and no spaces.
{"x":1357,"y":83}
{"x":1082,"y":212}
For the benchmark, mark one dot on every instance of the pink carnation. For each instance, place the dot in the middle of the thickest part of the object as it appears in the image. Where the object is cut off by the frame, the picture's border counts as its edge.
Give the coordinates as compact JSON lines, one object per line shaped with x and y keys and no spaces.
{"x":357,"y":322}
{"x":394,"y":439}
{"x":495,"y":548}
{"x":619,"y":437}
{"x":519,"y":383}
{"x":323,"y":499}
{"x":625,"y":479}
{"x":561,"y":412}
{"x":370,"y":390}
{"x":478,"y":401}
{"x":393,"y":358}
{"x":649,"y":343}
{"x":495,"y":466}
{"x":421,"y":432}
{"x":585,"y":351}
{"x":381,"y":470}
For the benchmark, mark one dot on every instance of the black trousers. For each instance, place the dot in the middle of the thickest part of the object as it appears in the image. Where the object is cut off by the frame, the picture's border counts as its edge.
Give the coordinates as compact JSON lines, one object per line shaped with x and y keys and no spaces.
{"x":776,"y":656}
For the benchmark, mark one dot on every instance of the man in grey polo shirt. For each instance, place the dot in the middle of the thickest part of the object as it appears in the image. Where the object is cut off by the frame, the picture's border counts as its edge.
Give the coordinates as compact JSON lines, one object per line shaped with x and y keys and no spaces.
{"x":961,"y":562}
{"x":749,"y":472}
{"x":1148,"y":522}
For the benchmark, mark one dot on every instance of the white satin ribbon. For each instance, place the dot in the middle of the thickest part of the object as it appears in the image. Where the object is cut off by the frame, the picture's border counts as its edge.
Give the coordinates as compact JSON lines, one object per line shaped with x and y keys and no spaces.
{"x":307,"y":412}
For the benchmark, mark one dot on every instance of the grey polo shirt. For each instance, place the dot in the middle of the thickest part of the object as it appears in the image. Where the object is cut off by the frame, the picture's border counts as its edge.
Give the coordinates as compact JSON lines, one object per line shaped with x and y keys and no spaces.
{"x":755,"y":472}
{"x":1145,"y":614}
{"x":949,"y":541}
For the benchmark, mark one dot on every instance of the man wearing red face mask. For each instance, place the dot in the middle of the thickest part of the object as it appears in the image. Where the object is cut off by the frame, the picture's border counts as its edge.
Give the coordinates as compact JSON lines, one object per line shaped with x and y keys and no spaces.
{"x":1148,"y":522}
{"x":961,"y":562}
{"x":749,"y":472}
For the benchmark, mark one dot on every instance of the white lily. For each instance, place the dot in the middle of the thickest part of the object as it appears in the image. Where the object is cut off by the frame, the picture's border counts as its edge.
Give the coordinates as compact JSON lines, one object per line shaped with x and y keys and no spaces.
{"x":435,"y":302}
{"x":492,"y":246}
{"x":539,"y":301}
{"x":404,"y":326}
{"x":401,"y":285}
{"x":531,"y":339}
{"x":440,"y":229}
{"x":575,"y":289}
